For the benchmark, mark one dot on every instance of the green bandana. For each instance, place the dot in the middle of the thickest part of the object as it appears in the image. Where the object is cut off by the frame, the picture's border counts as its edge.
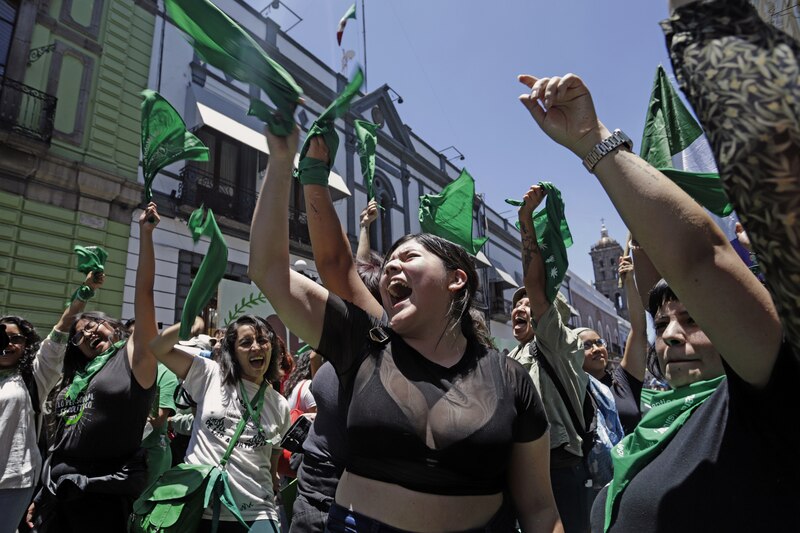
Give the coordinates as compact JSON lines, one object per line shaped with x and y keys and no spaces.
{"x":553,"y":237}
{"x":210,"y":272}
{"x":670,"y":411}
{"x":312,"y":171}
{"x":449,"y":213}
{"x":9,"y":372}
{"x":164,"y":139}
{"x":90,"y":259}
{"x":224,"y":44}
{"x":367,"y":135}
{"x":83,"y":377}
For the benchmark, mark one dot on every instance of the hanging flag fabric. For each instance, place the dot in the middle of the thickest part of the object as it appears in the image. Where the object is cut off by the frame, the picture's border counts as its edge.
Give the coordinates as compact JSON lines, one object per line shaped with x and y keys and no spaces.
{"x":224,"y":44}
{"x":312,"y":171}
{"x":449,"y":214}
{"x":350,"y":14}
{"x":553,"y":237}
{"x":367,"y":142}
{"x":674,"y":143}
{"x":164,"y":139}
{"x":203,"y":223}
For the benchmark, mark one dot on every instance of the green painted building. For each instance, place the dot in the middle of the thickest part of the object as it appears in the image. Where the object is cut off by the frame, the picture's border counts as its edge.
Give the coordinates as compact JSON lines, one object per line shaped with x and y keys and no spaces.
{"x":70,"y":76}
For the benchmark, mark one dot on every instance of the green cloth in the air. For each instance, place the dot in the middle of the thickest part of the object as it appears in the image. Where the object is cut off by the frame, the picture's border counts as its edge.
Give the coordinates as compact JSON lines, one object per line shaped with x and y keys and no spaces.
{"x":312,"y":171}
{"x":670,"y":411}
{"x":367,"y":143}
{"x":449,"y":213}
{"x":90,"y":258}
{"x":204,"y":284}
{"x":552,"y":236}
{"x":224,"y":44}
{"x":673,"y":142}
{"x":164,"y":139}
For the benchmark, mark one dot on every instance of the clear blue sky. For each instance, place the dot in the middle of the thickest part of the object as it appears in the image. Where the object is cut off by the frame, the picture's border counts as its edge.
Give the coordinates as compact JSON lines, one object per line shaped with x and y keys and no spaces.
{"x":455,"y":64}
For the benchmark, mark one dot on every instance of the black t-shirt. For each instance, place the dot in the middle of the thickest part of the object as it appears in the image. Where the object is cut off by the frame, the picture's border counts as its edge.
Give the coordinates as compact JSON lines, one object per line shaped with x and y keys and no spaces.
{"x":325,"y":448}
{"x":423,"y":426}
{"x":732,"y":467}
{"x":627,"y":391}
{"x":115,"y":409}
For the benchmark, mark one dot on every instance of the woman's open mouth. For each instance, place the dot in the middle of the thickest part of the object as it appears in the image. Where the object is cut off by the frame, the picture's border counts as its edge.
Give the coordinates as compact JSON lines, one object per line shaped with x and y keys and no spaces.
{"x":257,"y":361}
{"x":398,"y":291}
{"x":95,"y":342}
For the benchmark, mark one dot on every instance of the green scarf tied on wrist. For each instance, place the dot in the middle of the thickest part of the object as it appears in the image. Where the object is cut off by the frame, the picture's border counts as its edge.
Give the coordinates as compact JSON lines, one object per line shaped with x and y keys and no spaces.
{"x":367,"y":137}
{"x":90,"y":259}
{"x":670,"y":411}
{"x":82,"y":378}
{"x":202,"y":222}
{"x":312,"y":171}
{"x":224,"y":44}
{"x":553,"y":237}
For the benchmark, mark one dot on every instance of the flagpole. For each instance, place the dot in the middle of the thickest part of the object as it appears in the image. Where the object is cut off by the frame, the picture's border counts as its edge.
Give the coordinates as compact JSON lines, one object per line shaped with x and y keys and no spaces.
{"x":364,"y":32}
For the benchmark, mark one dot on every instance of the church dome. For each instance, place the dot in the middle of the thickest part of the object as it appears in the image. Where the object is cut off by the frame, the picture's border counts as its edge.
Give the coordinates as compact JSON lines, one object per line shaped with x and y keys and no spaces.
{"x":605,"y":241}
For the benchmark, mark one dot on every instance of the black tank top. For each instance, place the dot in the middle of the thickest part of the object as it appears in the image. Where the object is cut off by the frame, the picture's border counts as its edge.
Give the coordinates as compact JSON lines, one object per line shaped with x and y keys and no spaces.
{"x":115,"y":409}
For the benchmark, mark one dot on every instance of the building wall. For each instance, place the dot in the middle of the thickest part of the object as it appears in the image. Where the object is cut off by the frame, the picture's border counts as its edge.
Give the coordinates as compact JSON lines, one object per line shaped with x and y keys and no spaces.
{"x":783,"y":14}
{"x":80,"y":187}
{"x":37,"y":264}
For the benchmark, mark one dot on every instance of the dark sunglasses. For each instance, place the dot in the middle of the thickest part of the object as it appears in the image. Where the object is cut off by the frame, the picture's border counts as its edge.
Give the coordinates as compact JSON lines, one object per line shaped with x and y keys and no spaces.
{"x":89,"y":328}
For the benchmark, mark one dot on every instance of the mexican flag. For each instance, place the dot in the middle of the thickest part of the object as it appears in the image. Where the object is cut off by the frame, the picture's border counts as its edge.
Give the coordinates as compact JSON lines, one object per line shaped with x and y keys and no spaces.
{"x":675,"y":144}
{"x":350,"y":14}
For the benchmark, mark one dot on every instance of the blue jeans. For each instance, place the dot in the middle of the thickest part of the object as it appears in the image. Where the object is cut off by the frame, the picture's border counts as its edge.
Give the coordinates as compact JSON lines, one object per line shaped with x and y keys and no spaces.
{"x":341,"y":520}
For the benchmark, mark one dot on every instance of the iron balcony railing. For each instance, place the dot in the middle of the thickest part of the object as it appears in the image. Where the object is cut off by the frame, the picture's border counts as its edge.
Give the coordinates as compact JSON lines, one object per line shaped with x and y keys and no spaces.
{"x":200,"y":187}
{"x":500,"y":308}
{"x":26,"y":111}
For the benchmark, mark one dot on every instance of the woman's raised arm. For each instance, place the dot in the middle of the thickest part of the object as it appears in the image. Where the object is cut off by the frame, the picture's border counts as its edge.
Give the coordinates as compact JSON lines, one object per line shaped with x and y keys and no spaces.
{"x":299,"y":302}
{"x":685,"y":245}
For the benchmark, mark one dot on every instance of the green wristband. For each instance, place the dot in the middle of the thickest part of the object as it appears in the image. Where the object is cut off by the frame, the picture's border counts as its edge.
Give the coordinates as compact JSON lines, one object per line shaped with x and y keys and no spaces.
{"x":312,"y":171}
{"x":58,"y":337}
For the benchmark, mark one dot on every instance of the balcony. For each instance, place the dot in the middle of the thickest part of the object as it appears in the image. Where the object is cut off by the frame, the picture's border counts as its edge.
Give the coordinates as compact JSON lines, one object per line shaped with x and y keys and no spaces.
{"x":199,"y":187}
{"x":500,"y":309}
{"x":26,"y":111}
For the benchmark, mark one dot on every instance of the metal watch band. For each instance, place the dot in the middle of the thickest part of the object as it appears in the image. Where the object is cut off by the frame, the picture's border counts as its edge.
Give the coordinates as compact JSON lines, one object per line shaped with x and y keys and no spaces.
{"x":605,"y":147}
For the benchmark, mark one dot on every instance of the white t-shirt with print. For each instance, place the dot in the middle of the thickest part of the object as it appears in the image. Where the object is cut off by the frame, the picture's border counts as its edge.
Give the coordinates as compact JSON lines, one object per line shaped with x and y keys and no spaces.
{"x":219,"y":411}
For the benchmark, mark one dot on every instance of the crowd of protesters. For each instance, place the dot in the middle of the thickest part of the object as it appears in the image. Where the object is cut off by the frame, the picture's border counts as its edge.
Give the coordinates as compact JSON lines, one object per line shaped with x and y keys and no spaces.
{"x":417,"y":422}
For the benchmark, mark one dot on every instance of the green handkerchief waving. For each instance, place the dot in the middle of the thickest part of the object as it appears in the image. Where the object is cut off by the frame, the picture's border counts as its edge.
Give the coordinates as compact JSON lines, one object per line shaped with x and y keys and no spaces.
{"x":90,"y":258}
{"x":312,"y":171}
{"x":449,"y":213}
{"x":224,"y":44}
{"x":164,"y":139}
{"x":203,"y":223}
{"x":367,"y":143}
{"x":552,"y":236}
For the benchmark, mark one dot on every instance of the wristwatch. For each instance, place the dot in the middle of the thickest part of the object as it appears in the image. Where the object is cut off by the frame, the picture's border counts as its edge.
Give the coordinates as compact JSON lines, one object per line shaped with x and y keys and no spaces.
{"x":605,"y":147}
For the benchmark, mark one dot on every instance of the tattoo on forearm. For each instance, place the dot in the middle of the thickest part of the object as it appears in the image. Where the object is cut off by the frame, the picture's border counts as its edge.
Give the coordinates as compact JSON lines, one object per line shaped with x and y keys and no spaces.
{"x":530,"y":248}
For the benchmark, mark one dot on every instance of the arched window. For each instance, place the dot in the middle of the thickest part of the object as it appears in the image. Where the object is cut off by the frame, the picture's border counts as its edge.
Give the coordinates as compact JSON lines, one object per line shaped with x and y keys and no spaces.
{"x":591,"y":323}
{"x":608,"y":337}
{"x":380,"y":233}
{"x":599,"y":328}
